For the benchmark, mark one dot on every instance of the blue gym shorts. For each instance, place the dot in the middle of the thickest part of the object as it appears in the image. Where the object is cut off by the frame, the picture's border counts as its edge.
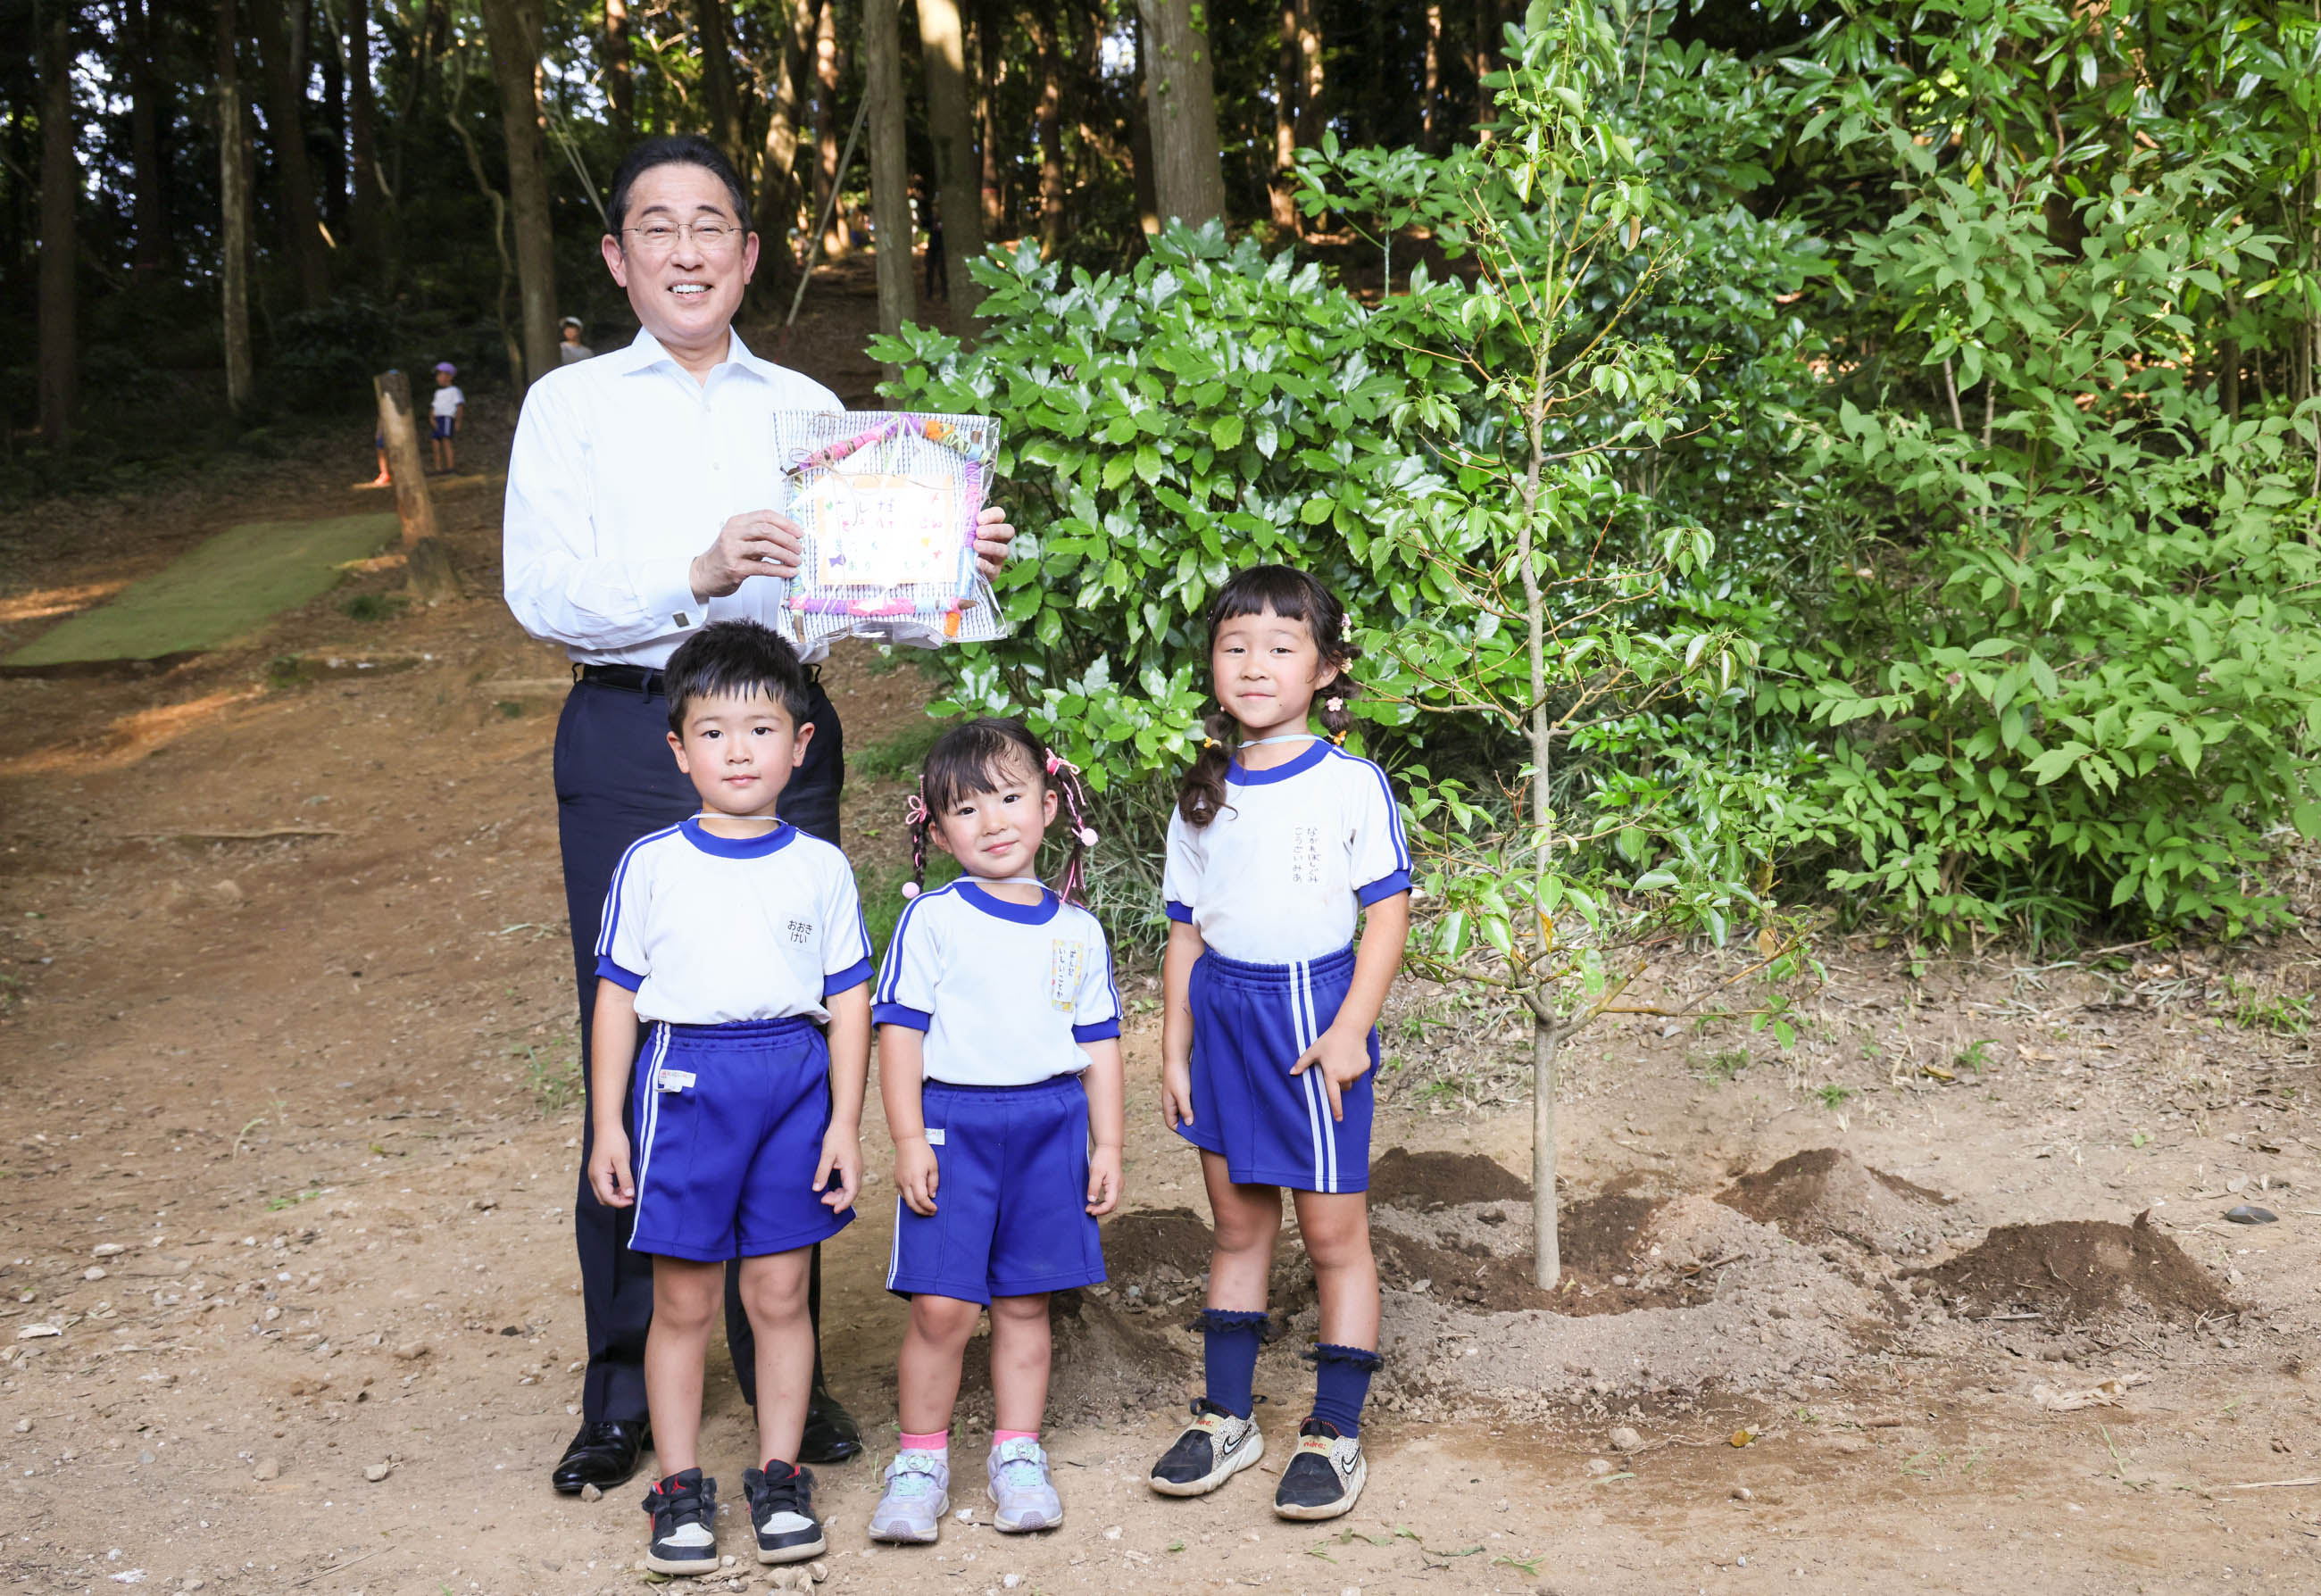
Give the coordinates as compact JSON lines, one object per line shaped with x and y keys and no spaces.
{"x":1251,"y":1022}
{"x":1011,"y":1214}
{"x":729,"y":1126}
{"x":445,"y":426}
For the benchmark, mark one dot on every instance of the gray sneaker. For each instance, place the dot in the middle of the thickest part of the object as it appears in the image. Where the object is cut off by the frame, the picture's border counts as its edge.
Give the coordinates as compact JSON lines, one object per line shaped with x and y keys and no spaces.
{"x":918,"y":1494}
{"x":1023,"y":1497}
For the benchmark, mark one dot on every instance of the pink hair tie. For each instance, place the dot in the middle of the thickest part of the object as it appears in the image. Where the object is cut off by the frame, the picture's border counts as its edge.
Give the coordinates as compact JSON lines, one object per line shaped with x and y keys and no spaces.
{"x":910,"y":890}
{"x":915,"y":812}
{"x":1056,"y":763}
{"x":1087,"y":835}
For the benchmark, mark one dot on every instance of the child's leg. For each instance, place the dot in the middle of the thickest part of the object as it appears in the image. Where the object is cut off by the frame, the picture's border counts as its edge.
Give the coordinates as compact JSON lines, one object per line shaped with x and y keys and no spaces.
{"x":1021,"y":1347}
{"x":685,"y":1300}
{"x":1247,"y":1220}
{"x":932,"y":1347}
{"x":773,"y":1291}
{"x":451,"y":450}
{"x":1336,"y":1227}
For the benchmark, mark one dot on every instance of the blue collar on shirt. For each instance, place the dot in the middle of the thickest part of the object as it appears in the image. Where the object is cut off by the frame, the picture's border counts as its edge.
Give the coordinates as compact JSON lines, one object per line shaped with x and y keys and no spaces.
{"x":709,"y":841}
{"x":645,"y":353}
{"x":1022,"y":914}
{"x":1315,"y":751}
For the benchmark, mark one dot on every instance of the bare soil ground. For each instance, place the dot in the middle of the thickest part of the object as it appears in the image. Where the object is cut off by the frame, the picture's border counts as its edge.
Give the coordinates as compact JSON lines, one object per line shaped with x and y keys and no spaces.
{"x":289,"y":1156}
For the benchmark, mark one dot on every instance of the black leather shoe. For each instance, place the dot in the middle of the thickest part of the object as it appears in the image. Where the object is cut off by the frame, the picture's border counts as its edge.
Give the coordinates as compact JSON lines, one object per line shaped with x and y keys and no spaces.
{"x":603,"y":1454}
{"x":831,"y":1435}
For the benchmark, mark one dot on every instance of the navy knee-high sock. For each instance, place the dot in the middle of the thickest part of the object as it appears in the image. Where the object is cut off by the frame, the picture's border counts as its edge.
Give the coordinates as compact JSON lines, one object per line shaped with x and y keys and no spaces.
{"x":1230,"y":1340}
{"x":1342,"y":1383}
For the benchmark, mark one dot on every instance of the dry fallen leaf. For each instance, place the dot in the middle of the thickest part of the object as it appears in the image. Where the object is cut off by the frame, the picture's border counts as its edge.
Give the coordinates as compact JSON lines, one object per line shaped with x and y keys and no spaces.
{"x":1743,"y":1437}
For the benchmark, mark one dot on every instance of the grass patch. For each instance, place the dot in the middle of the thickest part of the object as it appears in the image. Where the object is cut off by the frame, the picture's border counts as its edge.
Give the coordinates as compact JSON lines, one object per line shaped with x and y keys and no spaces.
{"x":898,"y":758}
{"x":883,"y":899}
{"x":374,"y":606}
{"x":554,"y":1082}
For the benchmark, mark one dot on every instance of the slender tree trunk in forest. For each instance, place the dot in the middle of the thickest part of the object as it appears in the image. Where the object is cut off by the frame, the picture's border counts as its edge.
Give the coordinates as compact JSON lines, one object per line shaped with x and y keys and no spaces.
{"x":233,"y":206}
{"x":987,"y":31}
{"x":1287,"y":81}
{"x":1188,"y":182}
{"x":826,"y":77}
{"x":363,"y":139}
{"x":776,"y":206}
{"x":891,"y":175}
{"x":286,"y":118}
{"x":1140,"y":129}
{"x":1489,"y":41}
{"x":1428,"y":119}
{"x":717,"y":77}
{"x":1050,"y":129}
{"x":60,"y":248}
{"x":1547,"y":1028}
{"x":427,"y":568}
{"x":148,"y":215}
{"x":515,"y":27}
{"x":620,"y":87}
{"x":958,"y":170}
{"x":334,"y":118}
{"x":1310,"y":120}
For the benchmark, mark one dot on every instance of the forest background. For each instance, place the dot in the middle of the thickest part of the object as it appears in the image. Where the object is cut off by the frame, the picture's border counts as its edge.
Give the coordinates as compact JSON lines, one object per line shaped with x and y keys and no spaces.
{"x":1855,"y":460}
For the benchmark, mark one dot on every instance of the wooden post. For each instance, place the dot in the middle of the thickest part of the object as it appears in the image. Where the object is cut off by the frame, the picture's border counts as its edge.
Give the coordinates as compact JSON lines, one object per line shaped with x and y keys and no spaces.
{"x":426,"y":568}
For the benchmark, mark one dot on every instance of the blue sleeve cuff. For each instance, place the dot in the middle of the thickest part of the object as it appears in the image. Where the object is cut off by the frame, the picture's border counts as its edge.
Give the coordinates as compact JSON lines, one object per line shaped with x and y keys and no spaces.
{"x":1104,"y":1030}
{"x":898,"y":1014}
{"x":1383,"y":887}
{"x":608,"y":970}
{"x":1179,"y":913}
{"x":846,"y":979}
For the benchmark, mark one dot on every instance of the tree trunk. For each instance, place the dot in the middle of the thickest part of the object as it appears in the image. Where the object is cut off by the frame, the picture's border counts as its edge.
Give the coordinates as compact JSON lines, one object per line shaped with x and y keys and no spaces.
{"x":1489,"y":42}
{"x":891,"y":175}
{"x":826,"y":77}
{"x":620,"y":87}
{"x":777,"y":203}
{"x":1140,"y":130}
{"x":285,"y":120}
{"x":1188,"y":183}
{"x":148,"y":214}
{"x":59,"y":247}
{"x":1049,"y":122}
{"x":958,"y":170}
{"x":717,"y":77}
{"x":1427,"y":116}
{"x":1547,"y":1253}
{"x":515,"y":27}
{"x":427,"y":568}
{"x":233,"y":204}
{"x":1289,"y":80}
{"x":363,"y":139}
{"x":989,"y":28}
{"x":1310,"y":118}
{"x":334,"y":117}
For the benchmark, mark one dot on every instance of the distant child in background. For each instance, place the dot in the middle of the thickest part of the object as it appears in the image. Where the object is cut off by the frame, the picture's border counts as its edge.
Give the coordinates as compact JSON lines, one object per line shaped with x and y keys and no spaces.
{"x":571,"y":349}
{"x":1268,"y":1042}
{"x":998,"y":1050}
{"x":449,"y":409}
{"x":737,"y":937}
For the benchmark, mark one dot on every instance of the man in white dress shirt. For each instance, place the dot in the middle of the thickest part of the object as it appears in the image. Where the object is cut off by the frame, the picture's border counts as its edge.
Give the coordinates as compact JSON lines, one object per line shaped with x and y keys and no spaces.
{"x":637,"y":511}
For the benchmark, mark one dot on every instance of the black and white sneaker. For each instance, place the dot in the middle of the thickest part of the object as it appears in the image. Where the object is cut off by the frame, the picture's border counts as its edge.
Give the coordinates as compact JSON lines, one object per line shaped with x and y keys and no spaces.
{"x":1213,"y":1449}
{"x":684,"y":1509}
{"x":1324,"y":1476}
{"x":781,"y":1511}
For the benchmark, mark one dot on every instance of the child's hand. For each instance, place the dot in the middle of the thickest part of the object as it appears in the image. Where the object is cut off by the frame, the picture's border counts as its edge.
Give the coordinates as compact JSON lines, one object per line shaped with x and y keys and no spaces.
{"x":1342,"y":1059}
{"x":917,"y":1173}
{"x":841,"y":1151}
{"x":1104,"y":1180}
{"x":608,"y":1169}
{"x":1177,"y":1093}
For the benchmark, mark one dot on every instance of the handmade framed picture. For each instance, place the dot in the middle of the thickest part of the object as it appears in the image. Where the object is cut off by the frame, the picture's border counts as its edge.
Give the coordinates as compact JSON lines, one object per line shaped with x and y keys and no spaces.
{"x":887,"y":502}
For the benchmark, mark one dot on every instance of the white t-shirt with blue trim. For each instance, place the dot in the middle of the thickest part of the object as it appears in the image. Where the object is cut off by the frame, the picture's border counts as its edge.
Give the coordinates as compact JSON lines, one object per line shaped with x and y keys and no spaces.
{"x":1005,"y":992}
{"x":707,"y":930}
{"x":1277,"y":877}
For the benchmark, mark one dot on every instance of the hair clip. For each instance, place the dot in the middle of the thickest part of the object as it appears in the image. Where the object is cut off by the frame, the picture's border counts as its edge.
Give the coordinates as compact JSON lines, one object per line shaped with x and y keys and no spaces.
{"x":910,"y":890}
{"x":1087,"y":835}
{"x":914,"y":811}
{"x":1208,"y":742}
{"x":1056,"y":763}
{"x":1334,"y":705}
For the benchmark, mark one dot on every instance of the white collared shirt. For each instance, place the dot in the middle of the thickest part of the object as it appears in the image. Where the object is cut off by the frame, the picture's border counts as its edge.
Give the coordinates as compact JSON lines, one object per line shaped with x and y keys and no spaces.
{"x":624,"y":470}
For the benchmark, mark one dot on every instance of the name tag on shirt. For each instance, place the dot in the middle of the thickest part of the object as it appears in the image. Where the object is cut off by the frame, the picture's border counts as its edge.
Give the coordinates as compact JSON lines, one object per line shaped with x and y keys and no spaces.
{"x":935,"y":1138}
{"x":673,"y":1080}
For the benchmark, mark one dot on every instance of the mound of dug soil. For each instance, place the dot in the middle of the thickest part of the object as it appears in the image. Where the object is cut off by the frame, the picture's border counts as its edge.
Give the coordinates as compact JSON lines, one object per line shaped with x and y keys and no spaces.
{"x":1825,"y":1194}
{"x":2078,"y":1270}
{"x":1402,"y":1178}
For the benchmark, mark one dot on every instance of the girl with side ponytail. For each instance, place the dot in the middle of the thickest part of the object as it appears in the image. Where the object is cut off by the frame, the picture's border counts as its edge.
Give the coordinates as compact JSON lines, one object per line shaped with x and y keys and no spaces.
{"x":1279,"y":843}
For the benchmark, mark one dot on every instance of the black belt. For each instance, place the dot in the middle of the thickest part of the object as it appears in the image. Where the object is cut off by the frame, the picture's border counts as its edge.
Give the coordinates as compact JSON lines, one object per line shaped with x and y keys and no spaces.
{"x":638,"y":679}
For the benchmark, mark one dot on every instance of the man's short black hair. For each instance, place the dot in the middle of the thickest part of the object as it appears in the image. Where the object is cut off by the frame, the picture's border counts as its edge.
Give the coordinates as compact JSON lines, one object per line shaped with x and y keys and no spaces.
{"x":675,"y":150}
{"x":736,"y":660}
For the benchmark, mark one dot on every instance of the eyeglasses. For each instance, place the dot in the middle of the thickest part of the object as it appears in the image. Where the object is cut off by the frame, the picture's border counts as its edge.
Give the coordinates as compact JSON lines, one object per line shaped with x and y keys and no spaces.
{"x":661,"y":238}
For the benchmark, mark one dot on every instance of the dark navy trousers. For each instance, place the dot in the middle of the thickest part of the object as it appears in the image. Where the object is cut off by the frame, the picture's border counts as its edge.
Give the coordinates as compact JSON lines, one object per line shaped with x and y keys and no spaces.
{"x":615,"y":781}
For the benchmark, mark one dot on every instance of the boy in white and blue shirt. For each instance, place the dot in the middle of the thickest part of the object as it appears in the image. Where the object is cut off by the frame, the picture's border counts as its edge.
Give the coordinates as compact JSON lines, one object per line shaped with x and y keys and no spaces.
{"x":735,"y":938}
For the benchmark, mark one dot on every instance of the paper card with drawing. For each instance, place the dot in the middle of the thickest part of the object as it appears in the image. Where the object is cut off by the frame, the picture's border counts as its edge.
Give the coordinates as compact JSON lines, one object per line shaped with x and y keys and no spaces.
{"x":887,"y":502}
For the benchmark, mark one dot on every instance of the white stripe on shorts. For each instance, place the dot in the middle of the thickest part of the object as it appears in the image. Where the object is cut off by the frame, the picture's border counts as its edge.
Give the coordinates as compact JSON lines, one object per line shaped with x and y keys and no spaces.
{"x":642,"y":1152}
{"x":895,"y":1247}
{"x":1321,"y":1088}
{"x":1302,"y":1033}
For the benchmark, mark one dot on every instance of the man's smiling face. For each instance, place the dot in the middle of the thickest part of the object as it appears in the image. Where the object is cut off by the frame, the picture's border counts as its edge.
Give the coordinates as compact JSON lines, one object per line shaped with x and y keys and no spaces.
{"x":686,"y":295}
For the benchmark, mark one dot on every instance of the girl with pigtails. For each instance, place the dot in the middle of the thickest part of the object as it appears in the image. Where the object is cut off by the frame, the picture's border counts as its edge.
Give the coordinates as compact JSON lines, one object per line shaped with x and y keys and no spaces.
{"x":1281,"y":841}
{"x":998,"y":1050}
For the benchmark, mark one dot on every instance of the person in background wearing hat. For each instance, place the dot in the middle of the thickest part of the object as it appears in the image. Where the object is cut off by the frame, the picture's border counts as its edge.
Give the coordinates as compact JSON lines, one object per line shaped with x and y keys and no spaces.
{"x":450,"y":408}
{"x":572,"y":348}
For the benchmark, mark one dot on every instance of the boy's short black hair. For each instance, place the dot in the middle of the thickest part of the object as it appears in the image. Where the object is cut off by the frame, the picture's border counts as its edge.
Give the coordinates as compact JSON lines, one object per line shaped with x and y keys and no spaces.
{"x":735,"y":659}
{"x":674,"y":150}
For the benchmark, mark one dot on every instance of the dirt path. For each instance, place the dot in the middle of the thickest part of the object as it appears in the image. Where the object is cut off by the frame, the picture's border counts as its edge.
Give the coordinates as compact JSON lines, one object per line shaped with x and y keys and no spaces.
{"x":285,"y":1063}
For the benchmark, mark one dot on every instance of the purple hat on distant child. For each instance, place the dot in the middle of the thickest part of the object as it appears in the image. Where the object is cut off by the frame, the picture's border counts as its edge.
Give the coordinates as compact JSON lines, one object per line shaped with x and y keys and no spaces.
{"x":447,"y":368}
